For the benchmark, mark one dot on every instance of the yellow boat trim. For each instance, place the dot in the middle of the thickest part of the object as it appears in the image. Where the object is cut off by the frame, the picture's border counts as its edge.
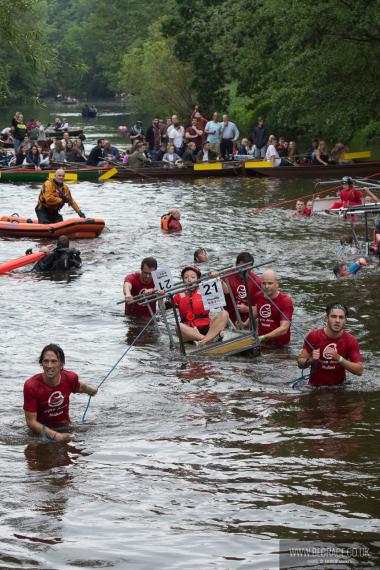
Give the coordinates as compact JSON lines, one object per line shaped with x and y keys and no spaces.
{"x":258,"y":164}
{"x":68,"y":175}
{"x":361,"y":154}
{"x":231,"y":346}
{"x":108,"y":174}
{"x":208,"y":166}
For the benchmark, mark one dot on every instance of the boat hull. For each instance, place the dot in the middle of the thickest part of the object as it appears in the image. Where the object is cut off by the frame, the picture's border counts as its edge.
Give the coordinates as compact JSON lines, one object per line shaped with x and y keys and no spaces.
{"x":359,"y":169}
{"x":29,"y":175}
{"x":73,"y":228}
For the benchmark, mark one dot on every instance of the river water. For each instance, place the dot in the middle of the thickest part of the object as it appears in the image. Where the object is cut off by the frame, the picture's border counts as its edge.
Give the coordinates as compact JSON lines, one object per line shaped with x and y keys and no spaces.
{"x":185,"y":464}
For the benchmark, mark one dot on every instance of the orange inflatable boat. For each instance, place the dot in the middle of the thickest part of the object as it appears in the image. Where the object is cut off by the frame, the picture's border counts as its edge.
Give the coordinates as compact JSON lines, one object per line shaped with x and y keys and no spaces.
{"x":73,"y":228}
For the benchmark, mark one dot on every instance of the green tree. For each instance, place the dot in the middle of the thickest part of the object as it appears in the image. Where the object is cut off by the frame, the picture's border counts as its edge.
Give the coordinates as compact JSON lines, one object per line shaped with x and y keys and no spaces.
{"x":155,"y":79}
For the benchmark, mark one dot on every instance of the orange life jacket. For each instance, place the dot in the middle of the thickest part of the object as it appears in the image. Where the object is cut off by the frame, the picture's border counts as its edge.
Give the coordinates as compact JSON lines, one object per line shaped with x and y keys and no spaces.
{"x":165,"y":221}
{"x":192,"y":310}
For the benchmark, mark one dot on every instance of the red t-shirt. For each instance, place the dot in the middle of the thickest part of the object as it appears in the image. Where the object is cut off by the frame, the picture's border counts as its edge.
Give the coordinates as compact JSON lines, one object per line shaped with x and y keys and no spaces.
{"x":351,"y":197}
{"x":269,"y":316}
{"x":136,"y":310}
{"x":50,"y":402}
{"x":239,"y":293}
{"x":327,"y":372}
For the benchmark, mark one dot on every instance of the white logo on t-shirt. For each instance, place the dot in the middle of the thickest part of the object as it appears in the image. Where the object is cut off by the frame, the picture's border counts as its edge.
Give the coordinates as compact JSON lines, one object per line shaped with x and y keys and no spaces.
{"x":241,"y":292}
{"x":56,"y":399}
{"x":265,"y":311}
{"x":331,"y":346}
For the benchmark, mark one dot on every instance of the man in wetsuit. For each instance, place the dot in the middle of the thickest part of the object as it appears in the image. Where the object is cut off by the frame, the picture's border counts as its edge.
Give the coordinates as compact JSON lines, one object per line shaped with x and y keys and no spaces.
{"x":331,"y":351}
{"x":53,"y":196}
{"x":62,"y":258}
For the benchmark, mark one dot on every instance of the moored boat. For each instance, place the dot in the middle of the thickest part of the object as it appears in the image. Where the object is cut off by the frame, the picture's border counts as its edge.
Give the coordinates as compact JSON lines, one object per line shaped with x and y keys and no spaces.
{"x":31,"y":175}
{"x":73,"y":228}
{"x":359,"y":168}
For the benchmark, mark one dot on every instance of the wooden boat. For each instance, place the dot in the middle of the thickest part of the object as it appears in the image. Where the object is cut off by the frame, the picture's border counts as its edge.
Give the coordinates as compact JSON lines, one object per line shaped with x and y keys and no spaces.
{"x":359,"y":168}
{"x":59,"y":134}
{"x":30,"y":175}
{"x":21,"y":261}
{"x":202,"y":170}
{"x":73,"y":228}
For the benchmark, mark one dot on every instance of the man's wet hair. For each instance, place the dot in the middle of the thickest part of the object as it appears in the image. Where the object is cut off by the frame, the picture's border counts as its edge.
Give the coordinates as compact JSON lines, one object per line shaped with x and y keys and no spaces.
{"x":197,"y":252}
{"x":333,"y":306}
{"x":53,"y":348}
{"x":63,"y":242}
{"x":337,"y":269}
{"x":245,"y":257}
{"x":346,"y":239}
{"x":150,"y":262}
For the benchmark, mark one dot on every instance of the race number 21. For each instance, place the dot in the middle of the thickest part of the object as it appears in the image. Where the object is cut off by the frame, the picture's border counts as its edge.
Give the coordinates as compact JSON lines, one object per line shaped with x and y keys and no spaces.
{"x":162,"y":278}
{"x":212,"y":294}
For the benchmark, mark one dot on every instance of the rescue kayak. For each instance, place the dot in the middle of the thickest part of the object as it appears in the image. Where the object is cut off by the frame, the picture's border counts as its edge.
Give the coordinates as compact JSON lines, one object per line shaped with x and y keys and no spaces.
{"x":21,"y":261}
{"x":73,"y":228}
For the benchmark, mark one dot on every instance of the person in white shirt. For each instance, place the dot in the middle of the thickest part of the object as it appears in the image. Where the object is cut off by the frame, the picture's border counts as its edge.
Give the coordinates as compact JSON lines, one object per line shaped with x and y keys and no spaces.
{"x":273,"y":156}
{"x":176,"y":134}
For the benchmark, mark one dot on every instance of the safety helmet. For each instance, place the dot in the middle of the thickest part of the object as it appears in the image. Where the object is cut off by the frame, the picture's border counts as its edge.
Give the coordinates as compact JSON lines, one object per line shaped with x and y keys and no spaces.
{"x":347,"y":180}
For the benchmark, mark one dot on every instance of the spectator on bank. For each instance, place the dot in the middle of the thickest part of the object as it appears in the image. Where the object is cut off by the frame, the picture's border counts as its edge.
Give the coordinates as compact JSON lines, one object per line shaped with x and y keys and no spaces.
{"x":230,"y":134}
{"x":260,"y":138}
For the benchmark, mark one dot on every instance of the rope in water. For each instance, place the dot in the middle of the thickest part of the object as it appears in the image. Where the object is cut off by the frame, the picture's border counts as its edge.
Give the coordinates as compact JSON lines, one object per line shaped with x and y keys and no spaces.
{"x":116,"y":363}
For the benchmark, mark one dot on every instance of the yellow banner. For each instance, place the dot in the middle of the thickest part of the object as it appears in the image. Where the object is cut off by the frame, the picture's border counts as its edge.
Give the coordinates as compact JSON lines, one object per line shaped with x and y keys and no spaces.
{"x":108,"y":174}
{"x":208,"y":166}
{"x":68,"y":175}
{"x":258,"y":164}
{"x":361,"y":154}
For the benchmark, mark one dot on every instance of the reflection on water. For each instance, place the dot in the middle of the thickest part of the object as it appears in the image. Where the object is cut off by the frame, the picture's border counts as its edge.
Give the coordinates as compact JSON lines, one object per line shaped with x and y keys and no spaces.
{"x":183,"y":463}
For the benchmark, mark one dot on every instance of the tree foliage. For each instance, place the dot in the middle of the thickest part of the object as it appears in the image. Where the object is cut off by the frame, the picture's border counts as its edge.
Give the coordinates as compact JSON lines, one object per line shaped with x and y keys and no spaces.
{"x":155,"y":79}
{"x":310,"y":67}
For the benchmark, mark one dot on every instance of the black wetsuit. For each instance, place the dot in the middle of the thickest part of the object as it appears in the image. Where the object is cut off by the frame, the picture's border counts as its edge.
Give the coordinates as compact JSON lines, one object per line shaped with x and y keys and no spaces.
{"x":60,"y":259}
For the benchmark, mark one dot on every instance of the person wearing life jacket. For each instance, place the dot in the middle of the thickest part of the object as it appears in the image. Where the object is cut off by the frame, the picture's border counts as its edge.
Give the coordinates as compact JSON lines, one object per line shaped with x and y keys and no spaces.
{"x":62,"y":258}
{"x":53,"y":196}
{"x":170,"y":222}
{"x":196,"y":324}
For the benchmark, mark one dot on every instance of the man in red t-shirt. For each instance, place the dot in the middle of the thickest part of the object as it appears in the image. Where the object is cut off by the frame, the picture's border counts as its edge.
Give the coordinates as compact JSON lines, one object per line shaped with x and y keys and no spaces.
{"x":274,"y":312}
{"x":46,"y":396}
{"x":334,"y":352}
{"x":239,"y":291}
{"x":140,"y":282}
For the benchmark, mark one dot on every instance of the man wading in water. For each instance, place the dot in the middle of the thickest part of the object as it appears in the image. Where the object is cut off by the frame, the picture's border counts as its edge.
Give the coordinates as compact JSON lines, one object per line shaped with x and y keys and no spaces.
{"x":46,"y":396}
{"x":335,"y":350}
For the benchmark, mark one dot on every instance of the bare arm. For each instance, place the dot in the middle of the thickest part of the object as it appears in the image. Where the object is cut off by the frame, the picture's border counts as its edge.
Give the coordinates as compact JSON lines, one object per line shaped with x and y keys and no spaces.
{"x":279,"y":331}
{"x":37,"y":427}
{"x":85,"y":389}
{"x":127,"y":288}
